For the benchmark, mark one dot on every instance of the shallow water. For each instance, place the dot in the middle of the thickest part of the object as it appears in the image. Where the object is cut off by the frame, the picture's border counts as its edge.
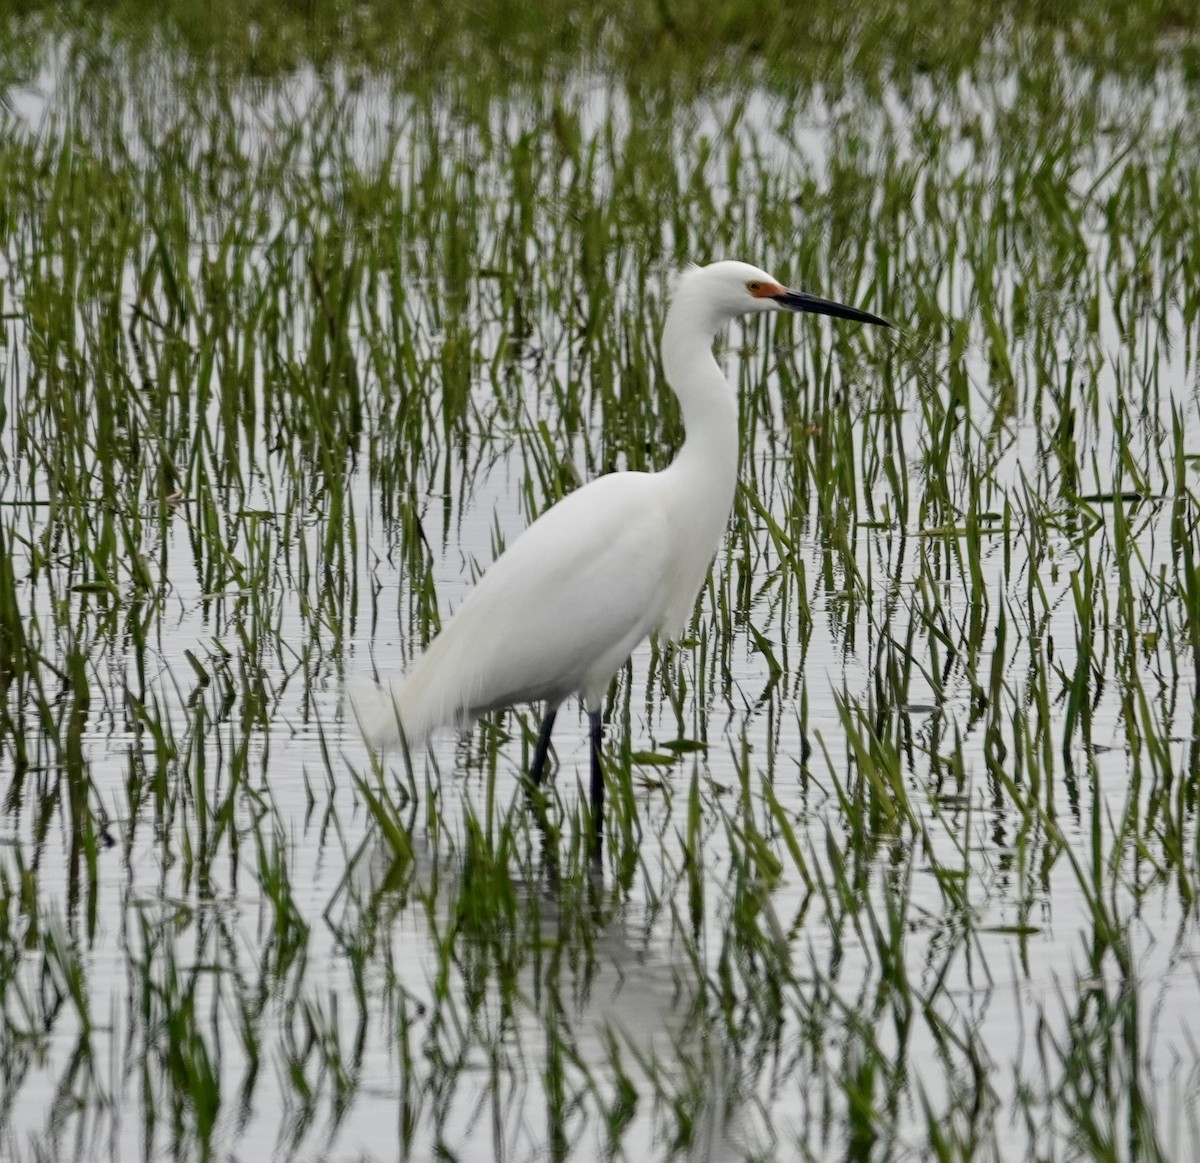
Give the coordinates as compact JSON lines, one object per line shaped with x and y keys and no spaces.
{"x":986,"y":928}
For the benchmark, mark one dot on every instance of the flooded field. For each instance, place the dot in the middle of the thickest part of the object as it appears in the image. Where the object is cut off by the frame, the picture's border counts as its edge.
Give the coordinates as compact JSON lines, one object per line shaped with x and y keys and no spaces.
{"x":901,"y":839}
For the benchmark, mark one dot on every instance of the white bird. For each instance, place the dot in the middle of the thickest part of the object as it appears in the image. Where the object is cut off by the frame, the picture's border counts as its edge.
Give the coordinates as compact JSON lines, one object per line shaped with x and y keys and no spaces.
{"x":559,"y":612}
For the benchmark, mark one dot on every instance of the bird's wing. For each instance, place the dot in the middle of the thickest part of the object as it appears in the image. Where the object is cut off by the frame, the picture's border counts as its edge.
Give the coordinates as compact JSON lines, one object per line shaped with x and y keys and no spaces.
{"x":557,"y":613}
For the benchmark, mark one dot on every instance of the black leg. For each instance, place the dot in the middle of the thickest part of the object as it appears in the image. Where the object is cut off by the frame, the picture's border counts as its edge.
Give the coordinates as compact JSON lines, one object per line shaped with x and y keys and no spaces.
{"x":543,"y":747}
{"x":537,"y":801}
{"x":596,"y":729}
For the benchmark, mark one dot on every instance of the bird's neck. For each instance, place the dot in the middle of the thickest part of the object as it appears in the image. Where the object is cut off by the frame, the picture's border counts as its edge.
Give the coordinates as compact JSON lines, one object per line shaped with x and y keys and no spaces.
{"x":708,"y":461}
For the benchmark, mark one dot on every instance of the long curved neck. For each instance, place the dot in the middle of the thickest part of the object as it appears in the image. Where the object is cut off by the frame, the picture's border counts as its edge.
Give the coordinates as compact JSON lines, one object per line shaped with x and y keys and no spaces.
{"x":709,"y":457}
{"x":698,"y":486}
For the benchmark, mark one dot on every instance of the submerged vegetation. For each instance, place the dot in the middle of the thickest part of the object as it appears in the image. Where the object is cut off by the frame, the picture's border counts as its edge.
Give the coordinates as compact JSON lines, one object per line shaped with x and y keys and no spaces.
{"x":305,"y":310}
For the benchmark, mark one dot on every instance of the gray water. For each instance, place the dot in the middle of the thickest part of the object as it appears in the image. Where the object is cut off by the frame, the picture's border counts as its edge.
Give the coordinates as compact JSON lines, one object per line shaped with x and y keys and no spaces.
{"x":995,"y":932}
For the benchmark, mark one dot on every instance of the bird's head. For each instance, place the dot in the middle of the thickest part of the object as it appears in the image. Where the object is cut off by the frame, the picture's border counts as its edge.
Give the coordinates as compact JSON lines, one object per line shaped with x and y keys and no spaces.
{"x":730,"y":288}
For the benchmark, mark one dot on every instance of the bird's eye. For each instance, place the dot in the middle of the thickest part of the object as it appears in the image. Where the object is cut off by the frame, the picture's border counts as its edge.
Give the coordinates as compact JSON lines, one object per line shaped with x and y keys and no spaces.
{"x":754,"y":286}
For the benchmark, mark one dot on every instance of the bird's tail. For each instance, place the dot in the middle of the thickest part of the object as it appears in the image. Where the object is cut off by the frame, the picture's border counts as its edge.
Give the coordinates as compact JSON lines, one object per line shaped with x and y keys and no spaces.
{"x":376,"y":708}
{"x":439,"y":689}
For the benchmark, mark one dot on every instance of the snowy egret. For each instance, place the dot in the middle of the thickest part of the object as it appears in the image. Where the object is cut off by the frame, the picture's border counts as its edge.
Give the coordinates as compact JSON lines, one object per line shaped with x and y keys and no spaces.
{"x":559,"y":612}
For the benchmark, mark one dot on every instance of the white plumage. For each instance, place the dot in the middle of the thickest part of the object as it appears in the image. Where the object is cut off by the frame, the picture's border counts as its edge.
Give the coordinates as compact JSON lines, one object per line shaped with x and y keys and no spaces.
{"x":559,"y":612}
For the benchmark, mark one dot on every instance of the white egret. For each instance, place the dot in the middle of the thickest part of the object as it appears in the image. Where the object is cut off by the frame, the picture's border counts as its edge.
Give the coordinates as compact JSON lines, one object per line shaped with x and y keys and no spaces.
{"x":559,"y":612}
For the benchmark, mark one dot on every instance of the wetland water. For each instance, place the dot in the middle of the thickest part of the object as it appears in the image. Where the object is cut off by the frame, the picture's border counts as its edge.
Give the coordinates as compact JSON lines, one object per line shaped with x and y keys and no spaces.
{"x":902,"y":839}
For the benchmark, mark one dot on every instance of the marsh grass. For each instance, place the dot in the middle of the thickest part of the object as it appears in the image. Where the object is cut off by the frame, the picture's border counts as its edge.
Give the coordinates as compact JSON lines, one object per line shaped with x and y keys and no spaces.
{"x":901,"y":838}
